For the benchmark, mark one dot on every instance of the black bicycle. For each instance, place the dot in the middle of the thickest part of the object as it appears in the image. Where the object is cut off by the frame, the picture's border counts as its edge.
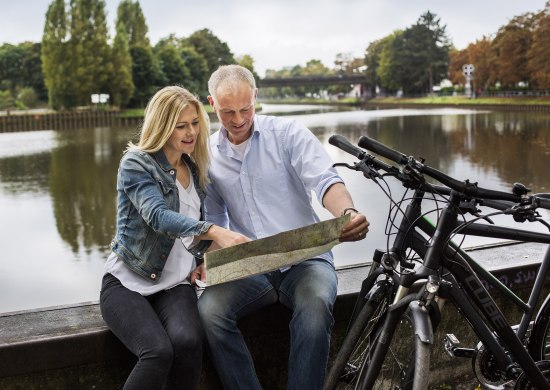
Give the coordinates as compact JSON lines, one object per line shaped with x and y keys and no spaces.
{"x":391,"y":331}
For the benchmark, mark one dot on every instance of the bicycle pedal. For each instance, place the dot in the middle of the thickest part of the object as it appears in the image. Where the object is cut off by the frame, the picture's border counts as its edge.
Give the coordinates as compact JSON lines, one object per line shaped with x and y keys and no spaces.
{"x":451,"y":345}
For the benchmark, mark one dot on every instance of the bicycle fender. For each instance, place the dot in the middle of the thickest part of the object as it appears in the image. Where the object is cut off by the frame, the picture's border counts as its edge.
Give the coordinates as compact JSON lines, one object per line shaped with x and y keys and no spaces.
{"x":422,"y":323}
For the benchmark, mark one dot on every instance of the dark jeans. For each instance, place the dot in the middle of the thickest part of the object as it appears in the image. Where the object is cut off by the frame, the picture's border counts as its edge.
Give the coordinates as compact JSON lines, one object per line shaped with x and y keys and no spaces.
{"x":163,"y":330}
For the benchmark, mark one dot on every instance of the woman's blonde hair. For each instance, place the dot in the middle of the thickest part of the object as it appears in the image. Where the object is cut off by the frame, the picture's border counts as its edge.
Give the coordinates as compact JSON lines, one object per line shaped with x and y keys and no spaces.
{"x":161,"y":115}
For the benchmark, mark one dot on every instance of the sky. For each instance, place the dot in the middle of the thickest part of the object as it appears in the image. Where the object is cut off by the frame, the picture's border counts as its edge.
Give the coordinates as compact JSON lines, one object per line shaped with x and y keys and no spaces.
{"x":279,"y":33}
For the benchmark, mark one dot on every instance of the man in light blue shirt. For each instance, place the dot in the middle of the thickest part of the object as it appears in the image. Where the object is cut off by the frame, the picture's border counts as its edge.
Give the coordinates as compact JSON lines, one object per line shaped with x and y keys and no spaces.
{"x":262,"y":173}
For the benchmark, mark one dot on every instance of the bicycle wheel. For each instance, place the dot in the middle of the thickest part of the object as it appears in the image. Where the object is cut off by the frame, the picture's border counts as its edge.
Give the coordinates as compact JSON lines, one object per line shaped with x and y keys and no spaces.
{"x":345,"y":369}
{"x":539,"y":342}
{"x":407,"y":362}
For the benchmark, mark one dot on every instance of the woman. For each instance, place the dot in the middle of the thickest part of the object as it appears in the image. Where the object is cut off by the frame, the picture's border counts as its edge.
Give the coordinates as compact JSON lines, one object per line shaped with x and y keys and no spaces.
{"x":146,"y":298}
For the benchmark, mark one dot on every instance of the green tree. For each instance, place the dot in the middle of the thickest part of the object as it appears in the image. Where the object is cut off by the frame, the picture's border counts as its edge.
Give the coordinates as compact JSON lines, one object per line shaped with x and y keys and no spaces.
{"x":172,"y":64}
{"x":32,"y":70}
{"x":147,"y":75}
{"x":122,"y":86}
{"x":91,"y":59}
{"x":389,"y":62}
{"x":198,"y":71}
{"x":130,"y":17}
{"x":247,"y":61}
{"x":372,"y":62}
{"x":214,"y":51}
{"x":425,"y":53}
{"x":55,"y":52}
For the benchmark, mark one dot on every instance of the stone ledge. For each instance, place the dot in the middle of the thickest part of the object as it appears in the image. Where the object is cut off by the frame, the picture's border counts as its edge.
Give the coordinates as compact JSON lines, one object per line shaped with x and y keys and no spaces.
{"x":68,"y":346}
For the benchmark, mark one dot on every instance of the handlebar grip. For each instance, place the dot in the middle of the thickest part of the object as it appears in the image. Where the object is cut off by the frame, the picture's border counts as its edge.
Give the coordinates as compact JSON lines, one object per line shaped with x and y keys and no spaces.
{"x":381,"y":149}
{"x":544,"y":202}
{"x":343,"y":143}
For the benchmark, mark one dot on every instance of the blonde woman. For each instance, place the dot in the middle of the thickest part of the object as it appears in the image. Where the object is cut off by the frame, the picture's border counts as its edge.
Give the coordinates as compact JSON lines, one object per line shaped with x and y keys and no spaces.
{"x":147,"y":298}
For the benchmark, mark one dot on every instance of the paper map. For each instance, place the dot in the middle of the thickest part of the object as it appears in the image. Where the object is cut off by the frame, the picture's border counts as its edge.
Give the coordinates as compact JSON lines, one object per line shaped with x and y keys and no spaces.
{"x":273,"y":252}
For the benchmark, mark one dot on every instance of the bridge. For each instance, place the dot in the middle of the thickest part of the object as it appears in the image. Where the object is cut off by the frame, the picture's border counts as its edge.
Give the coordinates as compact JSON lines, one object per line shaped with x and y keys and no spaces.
{"x":313,"y":80}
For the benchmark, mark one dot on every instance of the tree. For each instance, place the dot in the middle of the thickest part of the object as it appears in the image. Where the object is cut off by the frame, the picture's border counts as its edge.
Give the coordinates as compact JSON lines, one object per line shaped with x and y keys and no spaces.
{"x":477,"y":54}
{"x":214,"y":51}
{"x":122,"y":86}
{"x":425,"y":55}
{"x":147,"y":75}
{"x":390,"y":61}
{"x":91,"y":59}
{"x":248,"y":62}
{"x":538,"y":54}
{"x":172,"y":64}
{"x":130,"y":18}
{"x":55,"y":51}
{"x":509,"y":51}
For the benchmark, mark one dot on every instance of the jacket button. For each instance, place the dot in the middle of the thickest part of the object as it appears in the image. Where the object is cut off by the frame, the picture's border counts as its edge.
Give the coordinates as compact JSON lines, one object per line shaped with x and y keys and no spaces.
{"x":172,"y":172}
{"x":153,"y":276}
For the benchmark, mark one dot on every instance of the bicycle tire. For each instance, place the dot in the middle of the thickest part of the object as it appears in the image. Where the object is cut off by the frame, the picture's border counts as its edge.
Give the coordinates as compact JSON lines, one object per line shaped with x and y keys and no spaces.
{"x":539,"y":341}
{"x":344,"y":371}
{"x":406,"y":365}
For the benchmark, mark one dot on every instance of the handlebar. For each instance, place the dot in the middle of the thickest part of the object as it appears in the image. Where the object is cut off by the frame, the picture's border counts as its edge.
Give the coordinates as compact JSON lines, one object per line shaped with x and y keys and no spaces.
{"x":342,"y":142}
{"x":465,"y":187}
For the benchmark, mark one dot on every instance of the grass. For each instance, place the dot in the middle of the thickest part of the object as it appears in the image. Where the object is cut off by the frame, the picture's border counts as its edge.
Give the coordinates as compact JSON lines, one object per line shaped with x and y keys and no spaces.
{"x":463,"y":100}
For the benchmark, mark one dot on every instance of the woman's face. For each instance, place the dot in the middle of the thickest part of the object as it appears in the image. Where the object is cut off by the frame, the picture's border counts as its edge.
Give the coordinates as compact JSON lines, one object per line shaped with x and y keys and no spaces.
{"x":185,"y":134}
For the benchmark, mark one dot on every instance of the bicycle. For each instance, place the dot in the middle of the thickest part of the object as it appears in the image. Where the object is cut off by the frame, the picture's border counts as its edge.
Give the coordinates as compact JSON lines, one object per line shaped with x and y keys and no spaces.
{"x":446,"y":272}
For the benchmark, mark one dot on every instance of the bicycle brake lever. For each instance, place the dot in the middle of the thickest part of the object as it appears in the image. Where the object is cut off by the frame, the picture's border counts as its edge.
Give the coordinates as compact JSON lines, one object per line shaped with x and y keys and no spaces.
{"x":544,"y":222}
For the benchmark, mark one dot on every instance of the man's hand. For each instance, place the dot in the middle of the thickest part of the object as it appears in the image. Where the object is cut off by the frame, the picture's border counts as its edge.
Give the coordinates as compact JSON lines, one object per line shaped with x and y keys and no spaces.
{"x":198,"y":273}
{"x":356,"y":229}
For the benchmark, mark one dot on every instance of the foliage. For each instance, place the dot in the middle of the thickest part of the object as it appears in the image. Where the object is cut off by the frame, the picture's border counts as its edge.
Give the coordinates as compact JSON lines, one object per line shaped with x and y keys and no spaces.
{"x":122,"y":86}
{"x":214,"y":51}
{"x":147,"y":75}
{"x":55,"y":51}
{"x":91,"y":61}
{"x":28,"y":97}
{"x":6,"y":100}
{"x":476,"y":53}
{"x":130,"y":19}
{"x":538,"y":54}
{"x":509,"y":51}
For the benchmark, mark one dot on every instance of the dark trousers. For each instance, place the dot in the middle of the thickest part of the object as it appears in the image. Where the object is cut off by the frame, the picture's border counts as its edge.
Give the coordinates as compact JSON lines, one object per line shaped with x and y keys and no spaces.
{"x":163,"y":330}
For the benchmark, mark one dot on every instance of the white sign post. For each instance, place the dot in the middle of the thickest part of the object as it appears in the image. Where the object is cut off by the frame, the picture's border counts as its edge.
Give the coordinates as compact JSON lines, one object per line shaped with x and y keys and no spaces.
{"x":468,"y":70}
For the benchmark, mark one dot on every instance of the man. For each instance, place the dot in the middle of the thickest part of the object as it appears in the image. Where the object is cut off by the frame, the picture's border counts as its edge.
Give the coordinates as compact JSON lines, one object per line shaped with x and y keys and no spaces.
{"x":262,"y":172}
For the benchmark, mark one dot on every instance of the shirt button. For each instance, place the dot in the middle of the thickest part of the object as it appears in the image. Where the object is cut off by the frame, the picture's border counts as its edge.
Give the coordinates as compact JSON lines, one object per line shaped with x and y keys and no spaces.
{"x":153,"y":276}
{"x":244,"y":173}
{"x":172,"y":172}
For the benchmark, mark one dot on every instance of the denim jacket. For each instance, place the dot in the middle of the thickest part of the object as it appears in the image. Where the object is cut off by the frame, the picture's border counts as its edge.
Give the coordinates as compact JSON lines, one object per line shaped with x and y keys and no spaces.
{"x":148,"y":218}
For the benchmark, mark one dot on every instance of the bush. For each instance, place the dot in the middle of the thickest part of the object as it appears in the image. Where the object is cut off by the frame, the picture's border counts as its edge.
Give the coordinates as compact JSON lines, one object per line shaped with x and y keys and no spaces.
{"x":28,"y":97}
{"x":6,"y":100}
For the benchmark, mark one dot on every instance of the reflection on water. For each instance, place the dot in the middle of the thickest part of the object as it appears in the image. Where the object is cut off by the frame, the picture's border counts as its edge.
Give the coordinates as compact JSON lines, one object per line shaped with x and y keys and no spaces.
{"x":58,"y":188}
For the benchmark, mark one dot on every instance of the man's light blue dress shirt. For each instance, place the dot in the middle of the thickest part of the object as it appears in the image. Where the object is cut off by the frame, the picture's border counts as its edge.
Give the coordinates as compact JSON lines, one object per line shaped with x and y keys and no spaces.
{"x":269,"y":191}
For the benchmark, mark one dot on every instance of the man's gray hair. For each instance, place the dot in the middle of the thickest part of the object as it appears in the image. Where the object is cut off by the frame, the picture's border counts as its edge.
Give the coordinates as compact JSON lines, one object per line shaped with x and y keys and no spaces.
{"x":230,"y":76}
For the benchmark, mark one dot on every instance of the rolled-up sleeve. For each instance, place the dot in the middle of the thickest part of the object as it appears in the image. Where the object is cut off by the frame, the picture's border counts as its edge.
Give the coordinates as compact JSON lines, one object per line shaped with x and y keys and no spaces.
{"x":310,"y":160}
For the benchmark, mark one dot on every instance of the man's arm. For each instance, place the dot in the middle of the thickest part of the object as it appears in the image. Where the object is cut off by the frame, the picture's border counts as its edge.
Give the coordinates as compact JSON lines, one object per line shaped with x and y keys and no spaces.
{"x":338,"y":201}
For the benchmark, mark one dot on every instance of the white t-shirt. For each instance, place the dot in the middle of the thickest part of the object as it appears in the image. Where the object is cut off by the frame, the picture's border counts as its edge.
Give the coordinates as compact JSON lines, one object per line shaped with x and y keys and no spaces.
{"x":179,"y":263}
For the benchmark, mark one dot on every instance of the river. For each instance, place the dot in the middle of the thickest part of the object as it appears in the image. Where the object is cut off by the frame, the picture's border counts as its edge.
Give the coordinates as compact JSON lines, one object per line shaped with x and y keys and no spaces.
{"x":57,"y":188}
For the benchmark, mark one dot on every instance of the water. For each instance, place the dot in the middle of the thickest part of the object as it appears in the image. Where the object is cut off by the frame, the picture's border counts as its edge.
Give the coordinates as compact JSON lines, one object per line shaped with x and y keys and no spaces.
{"x":57,"y":188}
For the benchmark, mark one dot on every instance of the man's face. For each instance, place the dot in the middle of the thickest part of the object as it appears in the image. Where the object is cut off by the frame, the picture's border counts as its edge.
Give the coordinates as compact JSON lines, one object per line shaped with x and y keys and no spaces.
{"x":235,"y":108}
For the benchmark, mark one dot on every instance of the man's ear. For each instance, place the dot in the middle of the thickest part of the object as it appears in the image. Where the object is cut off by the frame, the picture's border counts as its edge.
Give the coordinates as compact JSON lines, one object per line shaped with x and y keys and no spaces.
{"x":211,"y":101}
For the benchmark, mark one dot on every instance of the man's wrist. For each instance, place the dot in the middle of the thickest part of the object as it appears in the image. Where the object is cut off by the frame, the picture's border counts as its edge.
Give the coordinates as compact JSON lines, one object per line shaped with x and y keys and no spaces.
{"x":348,"y":209}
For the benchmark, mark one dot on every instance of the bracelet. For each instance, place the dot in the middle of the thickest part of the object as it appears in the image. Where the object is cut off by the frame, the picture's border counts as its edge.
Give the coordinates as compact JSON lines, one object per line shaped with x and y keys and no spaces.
{"x":349,"y":209}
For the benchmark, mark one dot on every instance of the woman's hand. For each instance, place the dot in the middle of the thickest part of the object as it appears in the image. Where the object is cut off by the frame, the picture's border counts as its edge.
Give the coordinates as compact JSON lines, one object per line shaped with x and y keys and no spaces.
{"x":356,"y":229}
{"x":223,"y":238}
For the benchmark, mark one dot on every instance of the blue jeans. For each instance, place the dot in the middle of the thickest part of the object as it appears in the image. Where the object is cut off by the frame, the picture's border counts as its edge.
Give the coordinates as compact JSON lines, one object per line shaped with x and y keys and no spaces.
{"x":163,"y":330}
{"x":308,"y":289}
